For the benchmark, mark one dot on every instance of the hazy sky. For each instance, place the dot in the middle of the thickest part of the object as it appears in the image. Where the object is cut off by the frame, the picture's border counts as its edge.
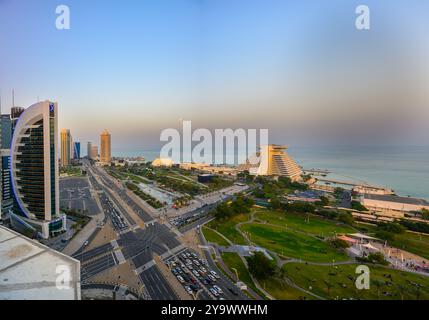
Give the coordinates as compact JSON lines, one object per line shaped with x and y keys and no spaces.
{"x":299,"y":68}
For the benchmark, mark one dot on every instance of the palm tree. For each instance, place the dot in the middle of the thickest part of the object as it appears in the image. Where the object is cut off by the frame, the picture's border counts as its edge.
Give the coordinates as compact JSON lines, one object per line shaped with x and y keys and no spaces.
{"x":328,"y":286}
{"x":378,"y":284}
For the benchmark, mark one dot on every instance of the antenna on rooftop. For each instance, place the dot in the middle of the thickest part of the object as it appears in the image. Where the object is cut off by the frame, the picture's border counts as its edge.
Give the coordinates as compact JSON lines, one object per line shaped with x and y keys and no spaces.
{"x":13,"y":98}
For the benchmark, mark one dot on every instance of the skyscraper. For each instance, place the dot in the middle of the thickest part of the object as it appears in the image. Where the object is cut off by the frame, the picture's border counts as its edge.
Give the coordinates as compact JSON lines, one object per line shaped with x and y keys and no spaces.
{"x":6,"y":131}
{"x":105,"y":143}
{"x":76,"y":151}
{"x":65,"y":147}
{"x":94,"y":152}
{"x":6,"y":192}
{"x":34,"y":171}
{"x":88,"y":150}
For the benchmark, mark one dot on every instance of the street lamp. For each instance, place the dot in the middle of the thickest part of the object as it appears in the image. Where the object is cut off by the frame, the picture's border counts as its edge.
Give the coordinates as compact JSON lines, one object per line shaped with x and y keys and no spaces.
{"x":236,"y":273}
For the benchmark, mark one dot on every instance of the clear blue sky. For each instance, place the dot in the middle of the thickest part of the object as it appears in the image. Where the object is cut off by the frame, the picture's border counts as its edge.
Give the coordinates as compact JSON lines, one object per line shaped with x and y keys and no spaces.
{"x":137,"y":67}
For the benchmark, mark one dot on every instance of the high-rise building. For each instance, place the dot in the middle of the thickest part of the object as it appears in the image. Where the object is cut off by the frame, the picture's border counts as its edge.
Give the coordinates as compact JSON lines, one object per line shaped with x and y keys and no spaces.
{"x":105,"y":144}
{"x":88,"y":150}
{"x":15,"y":113}
{"x":65,"y":147}
{"x":6,"y":192}
{"x":6,"y":131}
{"x":76,"y":151}
{"x":272,"y":160}
{"x":34,"y":171}
{"x":94,"y":152}
{"x":71,"y":148}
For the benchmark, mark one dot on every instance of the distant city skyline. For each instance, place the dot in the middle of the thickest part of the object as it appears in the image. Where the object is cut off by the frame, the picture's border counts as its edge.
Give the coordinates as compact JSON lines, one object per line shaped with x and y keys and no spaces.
{"x":298,"y":68}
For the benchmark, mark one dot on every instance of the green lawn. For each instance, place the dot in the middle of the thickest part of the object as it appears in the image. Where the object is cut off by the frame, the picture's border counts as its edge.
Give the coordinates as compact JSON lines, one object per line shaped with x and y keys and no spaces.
{"x":303,"y":222}
{"x":289,"y":243}
{"x":227,"y":228}
{"x":341,"y":280}
{"x":414,"y":243}
{"x":233,"y":260}
{"x":212,"y":236}
{"x":280,"y":290}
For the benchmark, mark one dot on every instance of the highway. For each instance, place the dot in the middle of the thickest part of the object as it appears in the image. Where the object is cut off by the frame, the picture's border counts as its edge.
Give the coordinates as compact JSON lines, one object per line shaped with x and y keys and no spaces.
{"x":139,"y":245}
{"x":98,"y":266}
{"x":156,"y":286}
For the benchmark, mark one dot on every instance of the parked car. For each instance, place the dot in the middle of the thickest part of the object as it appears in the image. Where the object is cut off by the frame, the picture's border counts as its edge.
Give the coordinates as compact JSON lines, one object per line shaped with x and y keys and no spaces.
{"x":214,"y":292}
{"x":218,"y":289}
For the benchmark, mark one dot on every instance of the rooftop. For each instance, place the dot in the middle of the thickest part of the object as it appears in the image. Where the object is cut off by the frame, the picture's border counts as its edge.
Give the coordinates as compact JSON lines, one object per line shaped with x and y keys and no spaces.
{"x":393,"y":198}
{"x":32,"y":271}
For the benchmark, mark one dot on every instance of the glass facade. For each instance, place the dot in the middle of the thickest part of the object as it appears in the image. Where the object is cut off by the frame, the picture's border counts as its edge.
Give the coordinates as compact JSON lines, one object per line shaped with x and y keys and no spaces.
{"x":30,"y":170}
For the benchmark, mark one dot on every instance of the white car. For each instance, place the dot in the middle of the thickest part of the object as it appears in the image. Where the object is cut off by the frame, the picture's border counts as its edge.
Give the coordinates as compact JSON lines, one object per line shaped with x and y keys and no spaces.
{"x":180,"y":279}
{"x":195,"y":272}
{"x":188,"y":289}
{"x":214,"y":292}
{"x":196,"y":262}
{"x":212,"y":278}
{"x":219,"y":290}
{"x":214,"y":274}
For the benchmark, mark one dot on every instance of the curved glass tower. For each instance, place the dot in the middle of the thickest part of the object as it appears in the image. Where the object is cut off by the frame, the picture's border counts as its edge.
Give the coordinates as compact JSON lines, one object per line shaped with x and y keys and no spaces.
{"x":34,"y":170}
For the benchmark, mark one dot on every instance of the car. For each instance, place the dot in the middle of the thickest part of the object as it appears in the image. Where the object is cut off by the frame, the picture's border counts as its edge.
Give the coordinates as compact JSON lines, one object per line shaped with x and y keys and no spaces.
{"x":212,"y":278}
{"x":194,"y":287}
{"x":204,"y":269}
{"x":214,"y":274}
{"x":180,"y":279}
{"x":190,"y":267}
{"x":214,"y":292}
{"x":233,"y":291}
{"x":218,"y":289}
{"x":195,"y":272}
{"x":196,"y":262}
{"x":188,"y":289}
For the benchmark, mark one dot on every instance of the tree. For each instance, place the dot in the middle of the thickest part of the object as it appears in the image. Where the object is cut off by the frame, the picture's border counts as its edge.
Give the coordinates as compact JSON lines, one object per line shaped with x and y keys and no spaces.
{"x":425,"y":214}
{"x":356,"y":205}
{"x":328,"y":286}
{"x":346,"y":218}
{"x":338,"y":243}
{"x":324,"y":201}
{"x":260,"y":266}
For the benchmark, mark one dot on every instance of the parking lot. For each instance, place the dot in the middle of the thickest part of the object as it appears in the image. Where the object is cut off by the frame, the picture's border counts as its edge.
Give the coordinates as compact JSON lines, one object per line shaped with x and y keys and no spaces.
{"x":198,"y":279}
{"x":75,"y":194}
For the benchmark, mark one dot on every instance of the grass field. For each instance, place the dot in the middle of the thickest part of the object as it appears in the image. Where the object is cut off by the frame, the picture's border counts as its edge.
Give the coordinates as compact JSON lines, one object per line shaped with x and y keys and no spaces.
{"x":280,"y":290}
{"x":290,"y":243}
{"x":303,"y":222}
{"x":233,"y":260}
{"x":341,"y":281}
{"x":412,"y":242}
{"x":227,"y":228}
{"x":212,"y":236}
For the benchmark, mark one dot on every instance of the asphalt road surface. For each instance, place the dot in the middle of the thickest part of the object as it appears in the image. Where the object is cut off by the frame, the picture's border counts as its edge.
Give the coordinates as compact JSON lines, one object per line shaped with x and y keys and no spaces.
{"x":156,"y":285}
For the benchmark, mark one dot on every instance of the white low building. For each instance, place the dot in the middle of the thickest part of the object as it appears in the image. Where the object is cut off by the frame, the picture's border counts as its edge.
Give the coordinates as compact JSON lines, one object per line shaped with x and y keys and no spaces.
{"x":32,"y":271}
{"x":393,"y":203}
{"x":162,"y":162}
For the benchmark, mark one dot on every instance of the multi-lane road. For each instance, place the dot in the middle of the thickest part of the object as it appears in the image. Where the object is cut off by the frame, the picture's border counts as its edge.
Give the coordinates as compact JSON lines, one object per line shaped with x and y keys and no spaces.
{"x":138,"y":245}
